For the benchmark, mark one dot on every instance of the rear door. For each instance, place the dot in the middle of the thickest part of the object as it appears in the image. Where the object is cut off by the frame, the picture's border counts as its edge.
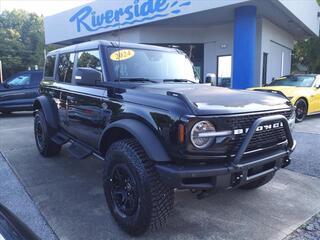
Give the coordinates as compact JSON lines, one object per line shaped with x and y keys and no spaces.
{"x":85,"y":110}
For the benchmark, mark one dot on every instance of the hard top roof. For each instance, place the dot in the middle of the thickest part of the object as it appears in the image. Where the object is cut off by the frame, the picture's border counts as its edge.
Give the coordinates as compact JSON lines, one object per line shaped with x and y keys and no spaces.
{"x":95,"y":44}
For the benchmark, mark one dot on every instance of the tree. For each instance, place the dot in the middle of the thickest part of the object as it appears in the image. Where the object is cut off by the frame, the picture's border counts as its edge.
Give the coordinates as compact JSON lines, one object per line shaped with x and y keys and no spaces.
{"x":307,"y":53}
{"x":21,"y":41}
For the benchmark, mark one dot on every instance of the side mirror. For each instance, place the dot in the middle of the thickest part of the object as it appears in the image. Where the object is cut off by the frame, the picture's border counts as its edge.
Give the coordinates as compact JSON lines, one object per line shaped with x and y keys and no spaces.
{"x":87,"y":76}
{"x":211,"y":78}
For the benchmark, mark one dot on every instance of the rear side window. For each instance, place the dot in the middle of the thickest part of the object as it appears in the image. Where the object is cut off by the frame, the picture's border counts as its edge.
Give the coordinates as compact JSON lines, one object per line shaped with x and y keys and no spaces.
{"x":49,"y":67}
{"x":90,"y":59}
{"x":65,"y":67}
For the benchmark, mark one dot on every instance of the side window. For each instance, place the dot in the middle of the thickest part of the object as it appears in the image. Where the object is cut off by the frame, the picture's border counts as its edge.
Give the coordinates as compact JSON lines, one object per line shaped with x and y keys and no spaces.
{"x":90,"y":59}
{"x":65,"y":67}
{"x":20,"y":80}
{"x":49,"y":67}
{"x":36,"y":78}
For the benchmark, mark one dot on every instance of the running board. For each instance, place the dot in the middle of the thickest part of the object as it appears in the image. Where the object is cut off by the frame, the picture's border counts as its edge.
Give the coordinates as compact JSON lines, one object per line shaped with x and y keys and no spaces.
{"x":60,"y":139}
{"x":79,"y":151}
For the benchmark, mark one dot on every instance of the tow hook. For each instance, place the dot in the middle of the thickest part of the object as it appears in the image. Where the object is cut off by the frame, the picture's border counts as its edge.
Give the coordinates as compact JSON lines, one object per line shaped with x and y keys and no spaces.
{"x":236,"y":179}
{"x":286,"y":162}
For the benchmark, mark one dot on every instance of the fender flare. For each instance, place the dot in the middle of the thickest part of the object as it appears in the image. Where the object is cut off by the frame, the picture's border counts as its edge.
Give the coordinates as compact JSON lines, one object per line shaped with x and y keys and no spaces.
{"x":50,"y":111}
{"x":144,"y":135}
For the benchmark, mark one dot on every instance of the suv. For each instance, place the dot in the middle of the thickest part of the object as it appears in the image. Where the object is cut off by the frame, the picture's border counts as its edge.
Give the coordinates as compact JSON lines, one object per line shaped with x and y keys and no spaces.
{"x":138,"y":108}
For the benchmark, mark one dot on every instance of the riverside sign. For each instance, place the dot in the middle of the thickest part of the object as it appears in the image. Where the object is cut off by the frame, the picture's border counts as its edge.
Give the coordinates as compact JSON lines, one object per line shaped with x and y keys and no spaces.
{"x":91,"y":20}
{"x":102,"y":16}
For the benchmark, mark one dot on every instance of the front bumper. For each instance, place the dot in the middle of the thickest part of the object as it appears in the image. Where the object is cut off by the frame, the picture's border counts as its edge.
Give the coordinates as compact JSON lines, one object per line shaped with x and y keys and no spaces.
{"x":240,"y":171}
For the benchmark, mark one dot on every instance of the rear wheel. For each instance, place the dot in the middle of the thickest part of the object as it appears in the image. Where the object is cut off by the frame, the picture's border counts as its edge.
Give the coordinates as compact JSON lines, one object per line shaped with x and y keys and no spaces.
{"x":136,"y":197}
{"x":301,"y":110}
{"x":258,"y":183}
{"x":45,"y":145}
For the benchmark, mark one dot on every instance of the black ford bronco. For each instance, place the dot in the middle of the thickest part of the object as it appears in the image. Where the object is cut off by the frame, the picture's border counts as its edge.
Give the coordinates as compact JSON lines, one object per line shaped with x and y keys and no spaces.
{"x":139,"y":108}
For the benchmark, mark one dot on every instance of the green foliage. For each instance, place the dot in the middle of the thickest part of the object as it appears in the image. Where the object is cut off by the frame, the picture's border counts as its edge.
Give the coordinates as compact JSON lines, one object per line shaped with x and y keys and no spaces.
{"x":307,"y":53}
{"x":21,"y":41}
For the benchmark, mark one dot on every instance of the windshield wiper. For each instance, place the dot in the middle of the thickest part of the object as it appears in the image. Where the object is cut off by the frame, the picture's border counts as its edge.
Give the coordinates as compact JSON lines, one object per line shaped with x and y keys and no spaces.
{"x":178,"y":80}
{"x":137,"y":80}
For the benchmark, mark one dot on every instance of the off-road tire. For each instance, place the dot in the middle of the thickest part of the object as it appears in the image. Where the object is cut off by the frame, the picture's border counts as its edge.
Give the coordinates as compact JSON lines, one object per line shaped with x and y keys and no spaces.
{"x":303,"y":112}
{"x":155,"y":199}
{"x":258,"y":183}
{"x":45,"y":145}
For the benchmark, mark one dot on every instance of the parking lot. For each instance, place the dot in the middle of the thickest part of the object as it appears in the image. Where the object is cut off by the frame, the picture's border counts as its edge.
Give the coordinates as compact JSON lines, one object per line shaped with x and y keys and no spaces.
{"x":62,"y":197}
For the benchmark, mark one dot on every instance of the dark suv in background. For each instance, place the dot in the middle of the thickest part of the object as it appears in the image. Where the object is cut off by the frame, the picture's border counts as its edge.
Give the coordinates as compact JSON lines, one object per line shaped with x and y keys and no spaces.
{"x":138,"y":107}
{"x":19,"y":91}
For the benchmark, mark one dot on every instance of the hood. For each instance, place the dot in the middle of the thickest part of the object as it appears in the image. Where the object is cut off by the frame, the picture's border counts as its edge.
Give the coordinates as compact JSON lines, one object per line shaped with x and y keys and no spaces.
{"x":289,"y":91}
{"x":207,"y":99}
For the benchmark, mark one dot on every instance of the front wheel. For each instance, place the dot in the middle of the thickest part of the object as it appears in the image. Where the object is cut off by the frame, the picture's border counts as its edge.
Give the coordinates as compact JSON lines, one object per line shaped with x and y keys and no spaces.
{"x":136,"y":196}
{"x":301,"y":110}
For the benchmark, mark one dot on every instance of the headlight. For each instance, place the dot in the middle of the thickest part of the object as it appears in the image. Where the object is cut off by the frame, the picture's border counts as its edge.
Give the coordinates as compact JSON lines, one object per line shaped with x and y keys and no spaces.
{"x":199,"y":129}
{"x":292,"y":120}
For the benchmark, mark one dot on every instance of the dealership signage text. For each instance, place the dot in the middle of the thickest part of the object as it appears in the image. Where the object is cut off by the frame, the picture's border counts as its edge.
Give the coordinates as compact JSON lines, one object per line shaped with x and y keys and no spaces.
{"x":87,"y":18}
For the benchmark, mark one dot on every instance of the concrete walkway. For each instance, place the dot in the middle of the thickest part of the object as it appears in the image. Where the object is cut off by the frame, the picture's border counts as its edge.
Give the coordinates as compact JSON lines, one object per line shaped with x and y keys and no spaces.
{"x":14,"y":197}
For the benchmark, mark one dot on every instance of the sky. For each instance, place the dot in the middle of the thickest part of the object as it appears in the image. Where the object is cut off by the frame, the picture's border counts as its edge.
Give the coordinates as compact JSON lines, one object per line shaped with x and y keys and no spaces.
{"x":41,"y":7}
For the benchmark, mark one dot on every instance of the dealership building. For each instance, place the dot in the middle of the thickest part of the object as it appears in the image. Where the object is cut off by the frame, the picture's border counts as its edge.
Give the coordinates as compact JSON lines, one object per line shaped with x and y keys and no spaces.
{"x":244,"y":42}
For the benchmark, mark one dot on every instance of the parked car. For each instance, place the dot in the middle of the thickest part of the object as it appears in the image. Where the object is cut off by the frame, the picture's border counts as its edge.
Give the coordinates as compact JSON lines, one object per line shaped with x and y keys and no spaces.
{"x":138,"y":108}
{"x":12,"y":228}
{"x":19,"y":91}
{"x":303,"y":90}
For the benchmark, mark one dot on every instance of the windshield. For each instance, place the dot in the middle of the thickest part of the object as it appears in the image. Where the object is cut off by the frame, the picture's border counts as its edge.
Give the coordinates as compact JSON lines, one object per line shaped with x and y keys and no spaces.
{"x":294,"y":81}
{"x":150,"y":65}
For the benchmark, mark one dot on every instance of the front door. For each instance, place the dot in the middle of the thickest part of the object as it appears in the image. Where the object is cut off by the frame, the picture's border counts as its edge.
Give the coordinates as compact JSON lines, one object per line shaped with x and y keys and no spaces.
{"x":85,"y":109}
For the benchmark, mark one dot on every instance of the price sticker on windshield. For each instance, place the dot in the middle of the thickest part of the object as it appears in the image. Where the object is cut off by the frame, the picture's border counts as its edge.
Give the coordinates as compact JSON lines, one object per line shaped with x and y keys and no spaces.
{"x":122,"y":55}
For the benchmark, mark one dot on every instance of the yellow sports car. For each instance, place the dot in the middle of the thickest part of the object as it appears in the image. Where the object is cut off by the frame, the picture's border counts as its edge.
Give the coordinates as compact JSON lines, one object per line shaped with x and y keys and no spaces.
{"x":302,"y":90}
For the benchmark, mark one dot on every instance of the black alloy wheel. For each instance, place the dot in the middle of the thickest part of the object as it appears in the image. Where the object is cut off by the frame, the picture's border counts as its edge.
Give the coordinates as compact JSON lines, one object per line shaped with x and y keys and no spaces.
{"x":301,"y":110}
{"x":124,"y":190}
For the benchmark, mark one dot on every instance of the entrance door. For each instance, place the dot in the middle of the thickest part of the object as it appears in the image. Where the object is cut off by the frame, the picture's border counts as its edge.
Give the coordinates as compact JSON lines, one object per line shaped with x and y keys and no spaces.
{"x":224,"y":71}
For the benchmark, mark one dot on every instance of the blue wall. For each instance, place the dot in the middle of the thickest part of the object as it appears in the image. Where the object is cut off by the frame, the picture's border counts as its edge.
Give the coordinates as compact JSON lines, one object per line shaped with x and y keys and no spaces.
{"x":244,"y":52}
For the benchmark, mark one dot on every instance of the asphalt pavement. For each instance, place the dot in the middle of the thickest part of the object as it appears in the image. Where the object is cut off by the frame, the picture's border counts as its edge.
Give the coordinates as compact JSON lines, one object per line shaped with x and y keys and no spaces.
{"x":63,"y":197}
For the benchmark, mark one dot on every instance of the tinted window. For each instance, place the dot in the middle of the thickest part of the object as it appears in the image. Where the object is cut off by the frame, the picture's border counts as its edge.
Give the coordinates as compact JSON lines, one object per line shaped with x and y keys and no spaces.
{"x":36,"y":78}
{"x":20,"y":80}
{"x":90,"y":59}
{"x":133,"y":64}
{"x":49,"y":68}
{"x":65,"y":67}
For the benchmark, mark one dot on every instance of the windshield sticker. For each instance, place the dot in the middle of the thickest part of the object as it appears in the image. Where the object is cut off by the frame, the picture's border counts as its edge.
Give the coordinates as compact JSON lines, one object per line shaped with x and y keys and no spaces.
{"x":122,"y":55}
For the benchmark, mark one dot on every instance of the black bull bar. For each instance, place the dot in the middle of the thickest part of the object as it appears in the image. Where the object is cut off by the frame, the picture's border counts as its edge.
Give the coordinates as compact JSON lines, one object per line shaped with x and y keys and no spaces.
{"x":252,"y":131}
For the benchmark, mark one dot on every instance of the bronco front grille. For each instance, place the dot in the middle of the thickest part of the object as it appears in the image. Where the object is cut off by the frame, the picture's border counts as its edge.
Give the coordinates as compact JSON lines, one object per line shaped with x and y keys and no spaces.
{"x":263,"y":139}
